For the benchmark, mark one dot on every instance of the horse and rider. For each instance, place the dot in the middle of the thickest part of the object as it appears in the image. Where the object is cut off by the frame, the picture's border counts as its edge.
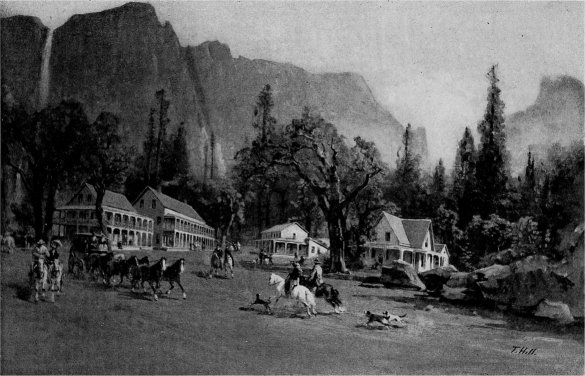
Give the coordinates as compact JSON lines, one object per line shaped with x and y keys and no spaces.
{"x":46,"y":265}
{"x":295,"y":276}
{"x":222,"y":259}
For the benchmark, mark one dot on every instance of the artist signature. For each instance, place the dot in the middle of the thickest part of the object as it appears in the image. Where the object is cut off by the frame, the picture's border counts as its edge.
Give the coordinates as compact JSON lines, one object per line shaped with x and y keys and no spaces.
{"x":523,"y":350}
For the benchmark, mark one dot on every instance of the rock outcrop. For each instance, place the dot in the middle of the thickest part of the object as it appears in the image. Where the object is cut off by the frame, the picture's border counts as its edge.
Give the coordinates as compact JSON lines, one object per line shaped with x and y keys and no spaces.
{"x":23,"y":40}
{"x":115,"y":60}
{"x":555,"y":116}
{"x":400,"y":273}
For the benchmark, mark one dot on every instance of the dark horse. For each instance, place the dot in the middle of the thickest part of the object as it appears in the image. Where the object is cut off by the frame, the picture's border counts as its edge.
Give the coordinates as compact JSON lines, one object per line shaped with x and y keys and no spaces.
{"x":151,"y":274}
{"x":173,"y":274}
{"x":126,"y":268}
{"x":325,"y":291}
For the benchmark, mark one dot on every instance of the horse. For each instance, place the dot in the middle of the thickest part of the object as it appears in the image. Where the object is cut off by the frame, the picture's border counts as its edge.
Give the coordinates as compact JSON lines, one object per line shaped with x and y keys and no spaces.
{"x":151,"y":274}
{"x":325,"y":291}
{"x":102,"y":263}
{"x":38,"y":278}
{"x":55,"y":278}
{"x":216,"y":264}
{"x":125,"y":268}
{"x":299,"y":293}
{"x":75,"y":265}
{"x":173,"y":274}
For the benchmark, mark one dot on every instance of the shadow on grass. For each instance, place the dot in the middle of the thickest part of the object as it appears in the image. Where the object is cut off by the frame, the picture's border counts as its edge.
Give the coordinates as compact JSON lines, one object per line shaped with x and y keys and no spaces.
{"x":370,"y":286}
{"x":129,"y":295}
{"x":22,"y":290}
{"x":252,"y":309}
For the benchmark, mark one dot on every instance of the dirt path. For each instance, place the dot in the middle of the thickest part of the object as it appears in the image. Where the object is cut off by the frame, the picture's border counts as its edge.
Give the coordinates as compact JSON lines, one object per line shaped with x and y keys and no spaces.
{"x":96,"y":330}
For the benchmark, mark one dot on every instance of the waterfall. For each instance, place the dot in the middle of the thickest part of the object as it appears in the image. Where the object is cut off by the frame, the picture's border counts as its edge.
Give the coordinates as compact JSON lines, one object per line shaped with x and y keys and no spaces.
{"x":45,"y":71}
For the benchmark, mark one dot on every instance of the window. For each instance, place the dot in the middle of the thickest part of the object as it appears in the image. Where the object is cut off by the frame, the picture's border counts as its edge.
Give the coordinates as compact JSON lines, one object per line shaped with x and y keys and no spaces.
{"x":157,"y":239}
{"x":141,"y":204}
{"x":158,"y":220}
{"x":80,"y":199}
{"x":312,"y":249}
{"x":153,"y":205}
{"x":88,"y":199}
{"x":294,"y":236}
{"x":426,"y":242}
{"x":388,"y":236}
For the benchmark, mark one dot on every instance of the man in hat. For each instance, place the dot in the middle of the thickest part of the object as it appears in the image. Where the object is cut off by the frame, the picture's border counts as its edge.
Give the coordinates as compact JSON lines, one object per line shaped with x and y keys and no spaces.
{"x":53,"y":254}
{"x":40,"y":252}
{"x":316,"y":276}
{"x":294,"y":278}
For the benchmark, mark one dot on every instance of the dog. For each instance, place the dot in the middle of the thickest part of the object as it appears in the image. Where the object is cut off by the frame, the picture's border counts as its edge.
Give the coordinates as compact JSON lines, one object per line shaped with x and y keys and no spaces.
{"x":385,"y":318}
{"x":265,"y":303}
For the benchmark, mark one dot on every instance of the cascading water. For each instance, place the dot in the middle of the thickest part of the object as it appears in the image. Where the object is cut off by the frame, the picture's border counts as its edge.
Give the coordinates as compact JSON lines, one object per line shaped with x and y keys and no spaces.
{"x":45,"y":71}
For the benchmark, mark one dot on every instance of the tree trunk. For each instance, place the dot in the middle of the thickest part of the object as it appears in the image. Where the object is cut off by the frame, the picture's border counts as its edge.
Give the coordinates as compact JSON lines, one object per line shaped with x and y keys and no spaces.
{"x":99,"y":213}
{"x":49,"y":210}
{"x":37,"y":203}
{"x":337,"y":244}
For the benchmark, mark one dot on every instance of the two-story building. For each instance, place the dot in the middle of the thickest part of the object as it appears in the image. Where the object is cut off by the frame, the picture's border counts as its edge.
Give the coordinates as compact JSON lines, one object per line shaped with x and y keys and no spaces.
{"x":123,"y":222}
{"x":409,"y":240}
{"x":177,"y":226}
{"x":290,"y":238}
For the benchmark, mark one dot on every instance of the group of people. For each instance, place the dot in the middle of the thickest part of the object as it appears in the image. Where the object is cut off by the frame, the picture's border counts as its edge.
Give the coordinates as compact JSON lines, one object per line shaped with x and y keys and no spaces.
{"x":47,"y":255}
{"x":294,"y":277}
{"x":263,"y":256}
{"x":224,"y":255}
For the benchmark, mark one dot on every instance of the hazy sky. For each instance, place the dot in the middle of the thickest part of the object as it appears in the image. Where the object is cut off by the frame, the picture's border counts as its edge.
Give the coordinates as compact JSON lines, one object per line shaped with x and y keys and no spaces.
{"x":425,"y":61}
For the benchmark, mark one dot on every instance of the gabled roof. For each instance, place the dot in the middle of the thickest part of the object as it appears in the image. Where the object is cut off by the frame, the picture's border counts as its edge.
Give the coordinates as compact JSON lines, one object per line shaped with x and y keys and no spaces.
{"x":112,"y":199}
{"x":416,"y":230}
{"x":397,"y":227}
{"x":411,"y":232}
{"x":175,"y":205}
{"x":282,"y":226}
{"x":439,"y":248}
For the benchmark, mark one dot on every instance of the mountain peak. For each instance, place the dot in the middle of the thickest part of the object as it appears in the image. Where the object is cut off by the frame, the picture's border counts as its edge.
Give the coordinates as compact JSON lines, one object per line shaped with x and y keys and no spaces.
{"x":130,"y":11}
{"x":216,"y":50}
{"x":555,"y":87}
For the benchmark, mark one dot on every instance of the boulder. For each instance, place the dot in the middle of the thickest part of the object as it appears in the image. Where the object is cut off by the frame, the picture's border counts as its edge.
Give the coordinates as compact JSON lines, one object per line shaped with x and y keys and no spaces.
{"x":434,"y":279}
{"x":400,"y":273}
{"x":458,"y":280}
{"x":554,"y":310}
{"x":524,"y":284}
{"x":459,"y":294}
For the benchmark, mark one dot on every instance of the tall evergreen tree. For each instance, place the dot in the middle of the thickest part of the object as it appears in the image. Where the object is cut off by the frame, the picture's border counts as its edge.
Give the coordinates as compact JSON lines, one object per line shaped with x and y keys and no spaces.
{"x":264,"y":121}
{"x":406,"y":186}
{"x":492,"y":163}
{"x":528,"y":189}
{"x":163,"y":120}
{"x":438,"y":186}
{"x":463,"y":189}
{"x":149,"y":146}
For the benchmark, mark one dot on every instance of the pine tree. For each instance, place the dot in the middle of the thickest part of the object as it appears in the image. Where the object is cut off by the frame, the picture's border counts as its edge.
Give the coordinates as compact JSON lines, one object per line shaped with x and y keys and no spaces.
{"x":438,"y":186}
{"x":463,"y":190}
{"x":492,"y":166}
{"x":264,"y":121}
{"x":162,"y":126}
{"x":149,"y":145}
{"x":406,"y":185}
{"x":528,"y":188}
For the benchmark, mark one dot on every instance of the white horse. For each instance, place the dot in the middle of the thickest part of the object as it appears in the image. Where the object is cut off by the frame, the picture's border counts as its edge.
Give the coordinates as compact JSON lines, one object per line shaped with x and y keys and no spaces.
{"x":229,"y":264}
{"x":38,"y":276}
{"x":55,"y":278}
{"x":299,"y":293}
